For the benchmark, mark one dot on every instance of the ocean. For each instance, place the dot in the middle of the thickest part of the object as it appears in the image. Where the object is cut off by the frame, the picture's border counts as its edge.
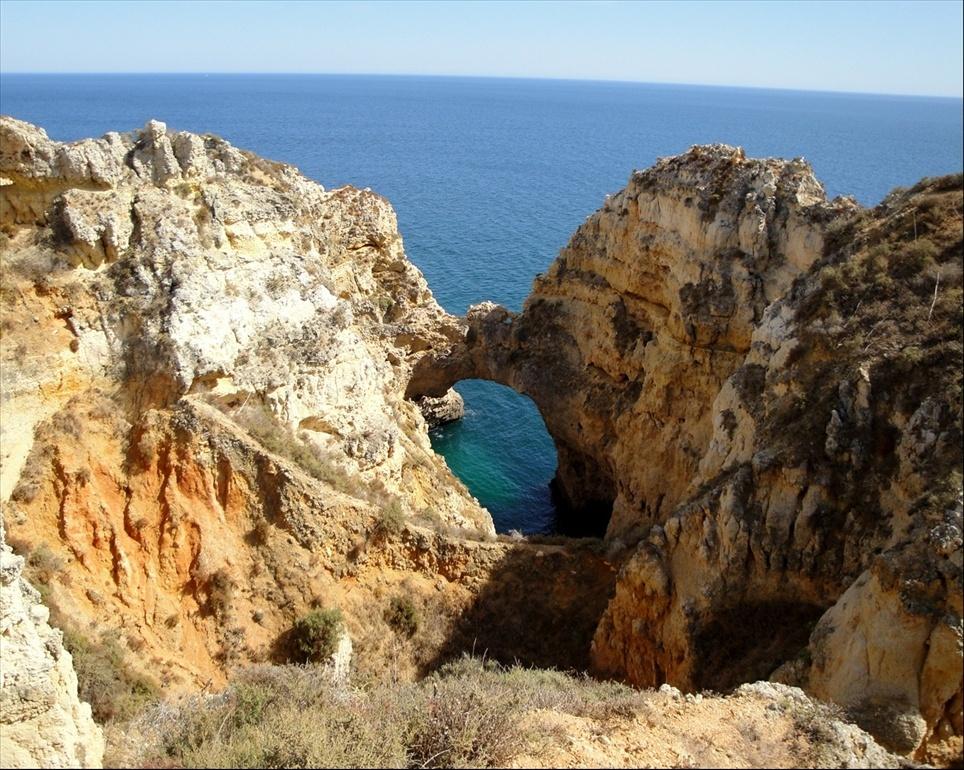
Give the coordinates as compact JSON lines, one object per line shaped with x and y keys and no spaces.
{"x":490,"y":177}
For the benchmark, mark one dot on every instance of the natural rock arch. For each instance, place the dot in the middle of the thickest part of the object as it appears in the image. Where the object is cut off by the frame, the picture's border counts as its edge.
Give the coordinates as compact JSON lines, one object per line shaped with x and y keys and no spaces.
{"x":497,"y":346}
{"x":705,"y":354}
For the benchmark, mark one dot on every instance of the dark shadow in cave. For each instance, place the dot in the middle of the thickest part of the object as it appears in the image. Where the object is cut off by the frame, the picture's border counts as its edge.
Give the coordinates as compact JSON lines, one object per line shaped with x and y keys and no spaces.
{"x":539,"y":607}
{"x":747,"y":642}
{"x":590,"y":519}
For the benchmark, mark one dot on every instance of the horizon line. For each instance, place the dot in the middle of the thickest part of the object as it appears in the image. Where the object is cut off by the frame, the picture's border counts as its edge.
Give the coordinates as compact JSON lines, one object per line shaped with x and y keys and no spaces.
{"x":490,"y":77}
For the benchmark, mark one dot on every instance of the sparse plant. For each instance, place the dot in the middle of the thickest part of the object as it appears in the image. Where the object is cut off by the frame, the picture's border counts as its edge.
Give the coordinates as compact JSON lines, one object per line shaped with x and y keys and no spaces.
{"x":466,"y":714}
{"x":314,"y":636}
{"x":462,"y":725}
{"x":275,"y":285}
{"x":67,"y":422}
{"x":402,"y":616}
{"x":26,"y":490}
{"x":105,"y":680}
{"x":220,"y":590}
{"x":391,"y":520}
{"x":260,"y":532}
{"x":277,"y":438}
{"x":43,"y":565}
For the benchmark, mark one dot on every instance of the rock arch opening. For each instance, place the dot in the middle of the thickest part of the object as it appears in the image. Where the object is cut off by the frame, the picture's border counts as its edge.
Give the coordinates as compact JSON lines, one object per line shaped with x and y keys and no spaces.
{"x":492,"y":344}
{"x":502,"y":452}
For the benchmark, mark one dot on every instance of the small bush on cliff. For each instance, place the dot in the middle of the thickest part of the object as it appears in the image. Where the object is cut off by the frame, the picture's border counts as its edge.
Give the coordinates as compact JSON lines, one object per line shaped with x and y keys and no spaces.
{"x":391,"y":520}
{"x":402,"y":615}
{"x":314,"y":637}
{"x":43,"y":565}
{"x":220,"y":594}
{"x":104,"y":678}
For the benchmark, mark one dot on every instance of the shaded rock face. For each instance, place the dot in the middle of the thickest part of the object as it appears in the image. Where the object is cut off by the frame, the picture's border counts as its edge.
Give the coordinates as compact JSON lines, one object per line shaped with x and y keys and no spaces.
{"x":761,"y":389}
{"x":42,"y":721}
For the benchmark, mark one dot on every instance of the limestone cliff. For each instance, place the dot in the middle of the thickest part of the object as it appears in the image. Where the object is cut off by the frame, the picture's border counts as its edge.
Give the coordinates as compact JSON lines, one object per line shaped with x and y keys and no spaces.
{"x":204,"y":360}
{"x":176,"y":265}
{"x":759,"y":390}
{"x":212,"y":374}
{"x":42,"y":722}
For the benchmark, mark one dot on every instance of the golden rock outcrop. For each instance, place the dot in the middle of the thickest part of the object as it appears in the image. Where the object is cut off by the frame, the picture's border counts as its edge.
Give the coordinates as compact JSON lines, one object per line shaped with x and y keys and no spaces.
{"x":211,"y":374}
{"x":758,"y":391}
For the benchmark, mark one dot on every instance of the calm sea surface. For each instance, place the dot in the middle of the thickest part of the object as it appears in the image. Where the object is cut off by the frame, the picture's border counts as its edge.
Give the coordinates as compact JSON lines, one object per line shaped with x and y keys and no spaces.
{"x":490,"y":177}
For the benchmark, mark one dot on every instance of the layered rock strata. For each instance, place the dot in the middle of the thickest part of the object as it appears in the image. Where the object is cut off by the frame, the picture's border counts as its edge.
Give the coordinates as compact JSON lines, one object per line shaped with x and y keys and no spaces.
{"x":758,"y":390}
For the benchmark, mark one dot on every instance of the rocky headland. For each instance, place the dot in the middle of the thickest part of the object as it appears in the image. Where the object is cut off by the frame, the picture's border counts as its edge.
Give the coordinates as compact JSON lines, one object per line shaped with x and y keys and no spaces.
{"x":218,"y":378}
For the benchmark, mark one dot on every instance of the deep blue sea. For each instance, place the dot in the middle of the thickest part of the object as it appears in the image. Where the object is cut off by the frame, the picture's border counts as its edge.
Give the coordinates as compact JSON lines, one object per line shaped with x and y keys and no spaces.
{"x":490,"y":177}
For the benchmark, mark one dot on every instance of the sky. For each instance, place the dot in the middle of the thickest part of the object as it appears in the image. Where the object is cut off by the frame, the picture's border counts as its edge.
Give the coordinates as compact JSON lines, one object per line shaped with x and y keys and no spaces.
{"x":875,"y":47}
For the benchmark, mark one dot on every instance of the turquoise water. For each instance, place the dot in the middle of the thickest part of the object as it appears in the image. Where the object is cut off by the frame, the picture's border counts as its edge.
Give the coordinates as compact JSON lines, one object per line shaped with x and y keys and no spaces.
{"x":490,"y":177}
{"x":508,"y":471}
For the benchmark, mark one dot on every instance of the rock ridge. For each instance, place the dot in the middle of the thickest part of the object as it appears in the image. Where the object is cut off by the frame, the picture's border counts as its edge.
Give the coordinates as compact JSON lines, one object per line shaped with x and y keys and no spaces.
{"x":218,"y":378}
{"x":757,"y":390}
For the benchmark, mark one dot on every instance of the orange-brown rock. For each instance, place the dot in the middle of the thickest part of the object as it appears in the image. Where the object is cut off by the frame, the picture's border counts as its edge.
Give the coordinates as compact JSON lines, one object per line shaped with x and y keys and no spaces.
{"x":205,"y":357}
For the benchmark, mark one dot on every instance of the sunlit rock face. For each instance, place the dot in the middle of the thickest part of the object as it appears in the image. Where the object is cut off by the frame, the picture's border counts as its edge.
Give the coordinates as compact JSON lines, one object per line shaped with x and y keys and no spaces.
{"x":42,"y":721}
{"x":196,"y":268}
{"x":204,"y":363}
{"x":758,"y":390}
{"x":210,"y":374}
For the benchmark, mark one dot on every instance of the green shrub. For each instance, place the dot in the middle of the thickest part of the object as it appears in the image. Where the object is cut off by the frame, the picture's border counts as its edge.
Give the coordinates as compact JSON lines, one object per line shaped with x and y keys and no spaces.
{"x":910,"y":259}
{"x":314,"y":637}
{"x":391,"y":520}
{"x":402,"y":615}
{"x":105,"y":680}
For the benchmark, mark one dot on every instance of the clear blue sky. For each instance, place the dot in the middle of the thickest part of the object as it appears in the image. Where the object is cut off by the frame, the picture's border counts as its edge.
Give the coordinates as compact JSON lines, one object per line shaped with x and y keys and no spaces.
{"x":881,"y":47}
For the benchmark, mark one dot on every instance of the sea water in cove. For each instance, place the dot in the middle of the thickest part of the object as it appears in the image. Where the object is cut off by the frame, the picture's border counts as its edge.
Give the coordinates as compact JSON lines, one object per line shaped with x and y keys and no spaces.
{"x":490,"y":177}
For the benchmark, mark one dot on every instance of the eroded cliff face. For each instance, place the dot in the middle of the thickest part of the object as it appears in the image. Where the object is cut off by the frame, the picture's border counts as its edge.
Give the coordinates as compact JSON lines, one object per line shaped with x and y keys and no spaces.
{"x":210,"y":374}
{"x":205,"y":435}
{"x":628,"y":338}
{"x":177,"y":264}
{"x":763,"y":387}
